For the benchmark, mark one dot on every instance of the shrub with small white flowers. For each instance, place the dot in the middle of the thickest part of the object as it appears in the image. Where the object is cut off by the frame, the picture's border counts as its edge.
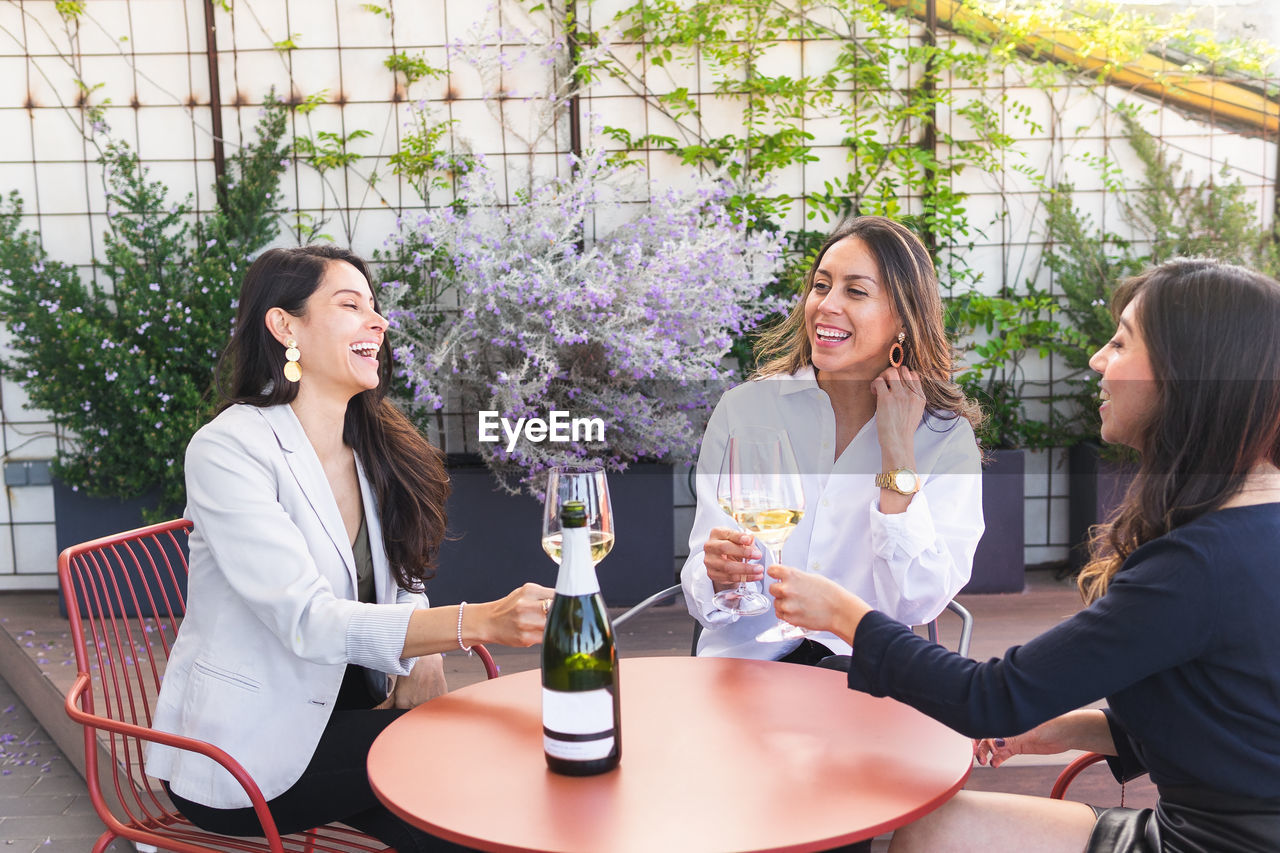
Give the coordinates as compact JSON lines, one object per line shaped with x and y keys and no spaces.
{"x":124,"y":371}
{"x":629,"y":324}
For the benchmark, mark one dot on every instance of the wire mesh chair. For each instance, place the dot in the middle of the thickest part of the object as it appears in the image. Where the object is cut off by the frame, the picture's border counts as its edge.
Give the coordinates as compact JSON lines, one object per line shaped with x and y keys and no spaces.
{"x":125,"y":600}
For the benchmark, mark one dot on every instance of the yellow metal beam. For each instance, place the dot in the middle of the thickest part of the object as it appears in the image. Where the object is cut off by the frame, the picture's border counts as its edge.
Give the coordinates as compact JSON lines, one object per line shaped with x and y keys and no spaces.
{"x":1221,"y":101}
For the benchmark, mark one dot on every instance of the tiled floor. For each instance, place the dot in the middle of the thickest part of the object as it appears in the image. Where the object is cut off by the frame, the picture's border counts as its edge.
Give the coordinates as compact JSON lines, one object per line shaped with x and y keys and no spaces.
{"x":44,"y":806}
{"x":43,"y":801}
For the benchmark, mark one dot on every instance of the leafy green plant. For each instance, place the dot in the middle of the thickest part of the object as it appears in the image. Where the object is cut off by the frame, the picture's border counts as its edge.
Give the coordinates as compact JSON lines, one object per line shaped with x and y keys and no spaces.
{"x":124,"y":370}
{"x":1002,"y":332}
{"x":414,"y":68}
{"x":882,"y":119}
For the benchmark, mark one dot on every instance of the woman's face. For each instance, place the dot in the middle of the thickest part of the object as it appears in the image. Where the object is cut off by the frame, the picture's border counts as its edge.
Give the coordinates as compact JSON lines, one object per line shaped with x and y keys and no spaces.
{"x":848,"y":314}
{"x":340,"y":334}
{"x":1128,"y":387}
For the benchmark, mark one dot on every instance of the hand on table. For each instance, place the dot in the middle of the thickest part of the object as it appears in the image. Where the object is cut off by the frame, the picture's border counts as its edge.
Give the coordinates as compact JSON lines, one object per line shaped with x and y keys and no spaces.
{"x":815,"y":602}
{"x":725,"y":555}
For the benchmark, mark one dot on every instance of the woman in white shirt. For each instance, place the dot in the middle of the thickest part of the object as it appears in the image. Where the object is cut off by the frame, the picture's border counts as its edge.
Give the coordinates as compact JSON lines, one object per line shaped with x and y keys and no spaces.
{"x":859,"y":378}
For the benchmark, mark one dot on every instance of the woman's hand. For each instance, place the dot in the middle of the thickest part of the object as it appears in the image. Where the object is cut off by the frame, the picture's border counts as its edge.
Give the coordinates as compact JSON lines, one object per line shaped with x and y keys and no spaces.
{"x":815,"y":602}
{"x":423,"y":683}
{"x":899,"y":409}
{"x":1085,"y":729}
{"x":516,"y":620}
{"x":725,"y":556}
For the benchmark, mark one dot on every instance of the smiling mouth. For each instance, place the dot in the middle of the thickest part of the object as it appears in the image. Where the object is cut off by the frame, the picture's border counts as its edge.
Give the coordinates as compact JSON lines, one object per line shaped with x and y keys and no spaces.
{"x":1104,"y":395}
{"x":366,"y":349}
{"x":831,"y":336}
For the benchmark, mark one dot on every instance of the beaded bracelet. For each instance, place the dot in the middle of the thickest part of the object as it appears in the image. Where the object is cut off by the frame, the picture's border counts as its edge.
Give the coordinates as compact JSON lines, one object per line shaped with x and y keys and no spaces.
{"x":461,"y":645}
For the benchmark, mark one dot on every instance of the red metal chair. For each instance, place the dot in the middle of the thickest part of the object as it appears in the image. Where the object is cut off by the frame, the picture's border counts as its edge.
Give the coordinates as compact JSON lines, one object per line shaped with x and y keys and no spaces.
{"x":1074,"y":769}
{"x":125,"y":602}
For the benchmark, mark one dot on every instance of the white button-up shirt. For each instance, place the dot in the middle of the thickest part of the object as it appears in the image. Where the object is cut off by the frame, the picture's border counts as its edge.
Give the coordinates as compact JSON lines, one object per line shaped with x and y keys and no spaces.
{"x":907,"y":565}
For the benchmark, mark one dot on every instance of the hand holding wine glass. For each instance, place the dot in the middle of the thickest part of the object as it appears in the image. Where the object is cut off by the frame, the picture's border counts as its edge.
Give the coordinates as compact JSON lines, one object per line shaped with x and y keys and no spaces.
{"x":589,"y":486}
{"x":769,"y":502}
{"x":764,"y":493}
{"x":745,"y":599}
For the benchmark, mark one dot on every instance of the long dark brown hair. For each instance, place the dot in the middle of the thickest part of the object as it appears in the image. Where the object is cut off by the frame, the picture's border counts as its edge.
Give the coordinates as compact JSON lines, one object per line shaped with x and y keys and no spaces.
{"x":1210,"y":333}
{"x":406,"y":473}
{"x":907,"y":274}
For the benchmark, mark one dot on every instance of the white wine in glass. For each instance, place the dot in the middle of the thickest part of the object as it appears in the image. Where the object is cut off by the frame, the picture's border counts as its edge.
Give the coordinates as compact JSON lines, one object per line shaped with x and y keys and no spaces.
{"x":770,"y":507}
{"x":601,"y":545}
{"x":589,"y":486}
{"x":760,"y":488}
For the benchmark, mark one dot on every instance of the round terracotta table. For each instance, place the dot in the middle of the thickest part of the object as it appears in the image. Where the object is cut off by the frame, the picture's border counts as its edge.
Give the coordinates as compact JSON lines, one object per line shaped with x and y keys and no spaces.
{"x":717,"y":755}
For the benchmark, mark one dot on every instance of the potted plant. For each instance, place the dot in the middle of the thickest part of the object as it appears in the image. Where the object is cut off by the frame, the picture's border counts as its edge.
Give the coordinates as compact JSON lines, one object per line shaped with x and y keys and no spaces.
{"x":581,"y":309}
{"x":1001,"y":332}
{"x":123,"y":371}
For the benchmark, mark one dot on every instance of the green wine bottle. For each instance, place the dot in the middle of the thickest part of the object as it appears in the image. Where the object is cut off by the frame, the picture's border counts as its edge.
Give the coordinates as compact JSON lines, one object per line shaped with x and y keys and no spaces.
{"x":581,"y":726}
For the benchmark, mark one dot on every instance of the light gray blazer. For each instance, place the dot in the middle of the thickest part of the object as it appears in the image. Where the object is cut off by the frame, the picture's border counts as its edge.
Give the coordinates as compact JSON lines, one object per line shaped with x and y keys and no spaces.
{"x":272,"y":620}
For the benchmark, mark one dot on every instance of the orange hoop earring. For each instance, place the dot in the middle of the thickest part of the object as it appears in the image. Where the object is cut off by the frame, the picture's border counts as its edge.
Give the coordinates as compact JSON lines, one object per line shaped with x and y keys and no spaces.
{"x":896,"y":351}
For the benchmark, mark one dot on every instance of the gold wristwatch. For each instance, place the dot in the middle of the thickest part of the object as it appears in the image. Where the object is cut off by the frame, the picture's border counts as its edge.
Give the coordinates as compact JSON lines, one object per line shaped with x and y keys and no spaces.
{"x":904,"y":481}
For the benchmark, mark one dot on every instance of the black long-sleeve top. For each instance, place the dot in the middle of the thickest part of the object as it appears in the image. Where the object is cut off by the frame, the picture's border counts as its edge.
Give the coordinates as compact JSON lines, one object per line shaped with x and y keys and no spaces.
{"x":1185,"y":646}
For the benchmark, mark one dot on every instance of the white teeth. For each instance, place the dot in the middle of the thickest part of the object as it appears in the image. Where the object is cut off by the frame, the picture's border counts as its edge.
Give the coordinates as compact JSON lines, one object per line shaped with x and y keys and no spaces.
{"x":365,"y":349}
{"x":832,"y":335}
{"x":1104,"y":396}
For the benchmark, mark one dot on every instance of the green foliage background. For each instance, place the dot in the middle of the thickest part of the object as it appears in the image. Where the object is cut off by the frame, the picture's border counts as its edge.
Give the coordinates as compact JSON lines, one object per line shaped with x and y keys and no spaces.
{"x":125,"y":370}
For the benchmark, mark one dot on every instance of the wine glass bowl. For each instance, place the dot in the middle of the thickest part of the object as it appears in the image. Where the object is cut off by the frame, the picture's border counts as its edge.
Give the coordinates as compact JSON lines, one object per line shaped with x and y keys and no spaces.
{"x":588,"y":485}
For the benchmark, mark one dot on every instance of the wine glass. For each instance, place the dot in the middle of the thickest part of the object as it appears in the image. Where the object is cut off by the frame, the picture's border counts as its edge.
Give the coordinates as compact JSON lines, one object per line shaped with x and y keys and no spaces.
{"x":588,"y":485}
{"x":765,"y":494}
{"x":744,"y":599}
{"x":770,"y":503}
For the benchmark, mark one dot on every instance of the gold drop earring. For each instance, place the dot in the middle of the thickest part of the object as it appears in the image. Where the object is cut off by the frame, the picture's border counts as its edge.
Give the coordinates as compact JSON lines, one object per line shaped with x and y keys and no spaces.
{"x":292,"y":370}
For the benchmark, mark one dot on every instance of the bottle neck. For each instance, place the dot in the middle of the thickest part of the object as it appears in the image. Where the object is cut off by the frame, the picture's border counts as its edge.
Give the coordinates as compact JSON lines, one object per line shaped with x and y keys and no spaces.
{"x":577,"y":573}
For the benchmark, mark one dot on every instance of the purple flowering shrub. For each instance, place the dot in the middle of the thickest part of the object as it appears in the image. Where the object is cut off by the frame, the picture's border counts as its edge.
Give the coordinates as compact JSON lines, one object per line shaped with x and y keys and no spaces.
{"x":535,"y":307}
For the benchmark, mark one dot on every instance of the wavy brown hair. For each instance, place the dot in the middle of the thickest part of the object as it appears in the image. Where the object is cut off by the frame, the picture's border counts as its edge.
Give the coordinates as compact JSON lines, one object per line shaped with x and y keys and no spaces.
{"x":1210,"y":333}
{"x":407,"y":475}
{"x":907,"y":274}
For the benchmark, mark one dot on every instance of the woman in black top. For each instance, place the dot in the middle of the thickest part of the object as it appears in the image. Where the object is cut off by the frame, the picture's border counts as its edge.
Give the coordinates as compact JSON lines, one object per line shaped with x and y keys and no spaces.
{"x":1183,"y":593}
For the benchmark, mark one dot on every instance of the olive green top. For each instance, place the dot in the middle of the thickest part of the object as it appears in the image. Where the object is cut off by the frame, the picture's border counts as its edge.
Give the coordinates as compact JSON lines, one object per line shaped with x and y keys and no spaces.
{"x":364,"y":564}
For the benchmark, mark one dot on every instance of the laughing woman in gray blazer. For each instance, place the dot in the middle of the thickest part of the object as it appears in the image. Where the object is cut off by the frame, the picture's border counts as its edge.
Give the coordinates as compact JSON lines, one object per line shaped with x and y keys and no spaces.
{"x":318,"y":511}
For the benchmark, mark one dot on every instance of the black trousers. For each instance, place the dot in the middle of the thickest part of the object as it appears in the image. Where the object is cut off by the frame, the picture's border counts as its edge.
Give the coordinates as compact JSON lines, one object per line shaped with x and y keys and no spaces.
{"x":334,"y":787}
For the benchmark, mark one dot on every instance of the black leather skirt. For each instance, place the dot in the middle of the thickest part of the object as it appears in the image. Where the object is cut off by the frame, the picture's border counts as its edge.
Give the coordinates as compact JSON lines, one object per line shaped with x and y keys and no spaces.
{"x":1190,"y":821}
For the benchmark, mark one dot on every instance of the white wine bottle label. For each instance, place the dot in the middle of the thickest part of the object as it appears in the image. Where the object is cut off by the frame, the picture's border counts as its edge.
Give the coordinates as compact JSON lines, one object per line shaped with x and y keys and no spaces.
{"x":577,"y":726}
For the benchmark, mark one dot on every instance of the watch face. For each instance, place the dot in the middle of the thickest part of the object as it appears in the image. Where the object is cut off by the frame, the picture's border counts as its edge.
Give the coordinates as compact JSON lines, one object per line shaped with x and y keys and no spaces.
{"x":905,"y":480}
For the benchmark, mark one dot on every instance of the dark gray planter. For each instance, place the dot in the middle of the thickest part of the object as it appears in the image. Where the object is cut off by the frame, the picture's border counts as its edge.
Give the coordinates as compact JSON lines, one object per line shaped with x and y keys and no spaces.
{"x":1000,"y":563}
{"x":1098,"y":486}
{"x":497,"y":538}
{"x":80,"y":518}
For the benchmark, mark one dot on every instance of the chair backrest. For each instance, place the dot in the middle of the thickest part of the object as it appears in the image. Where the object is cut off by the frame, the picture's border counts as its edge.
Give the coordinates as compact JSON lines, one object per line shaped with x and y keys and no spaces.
{"x":966,"y":627}
{"x":124,"y":602}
